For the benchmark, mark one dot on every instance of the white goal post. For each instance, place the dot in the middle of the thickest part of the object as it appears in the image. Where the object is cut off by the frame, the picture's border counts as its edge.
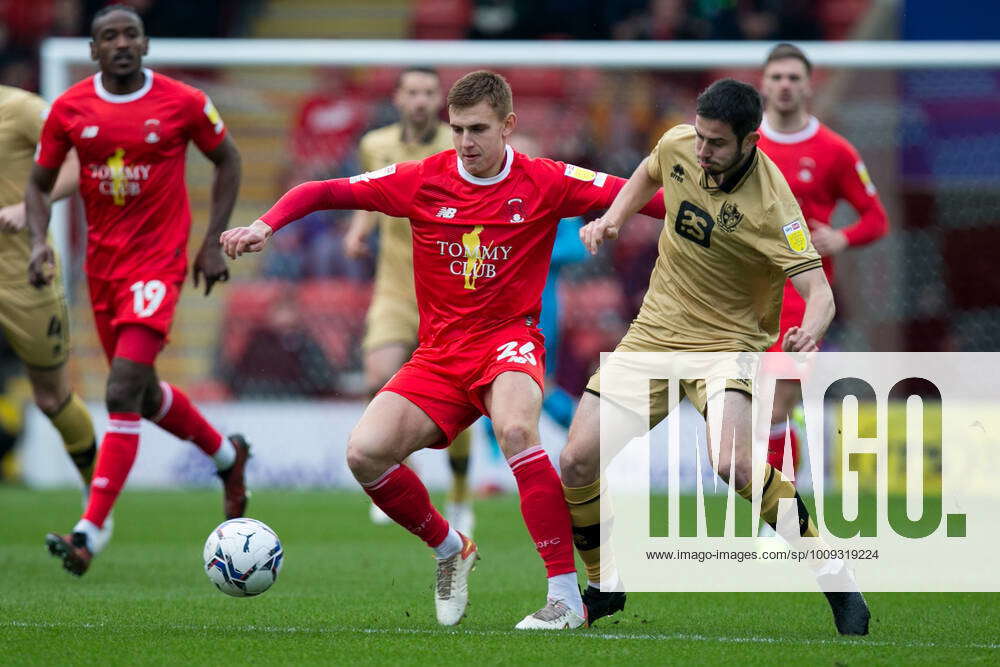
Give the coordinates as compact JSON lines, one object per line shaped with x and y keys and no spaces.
{"x":58,"y":55}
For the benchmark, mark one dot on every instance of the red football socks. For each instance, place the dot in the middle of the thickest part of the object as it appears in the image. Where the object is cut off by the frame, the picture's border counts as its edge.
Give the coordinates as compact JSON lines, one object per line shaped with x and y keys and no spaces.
{"x":114,"y":460}
{"x":403,"y":497}
{"x":179,"y":416}
{"x":776,"y":448}
{"x":544,"y":509}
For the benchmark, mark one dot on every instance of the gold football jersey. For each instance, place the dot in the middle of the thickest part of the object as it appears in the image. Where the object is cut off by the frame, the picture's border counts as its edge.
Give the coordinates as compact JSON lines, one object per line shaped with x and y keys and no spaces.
{"x":21,"y":119}
{"x":380,"y":148}
{"x":724,"y":252}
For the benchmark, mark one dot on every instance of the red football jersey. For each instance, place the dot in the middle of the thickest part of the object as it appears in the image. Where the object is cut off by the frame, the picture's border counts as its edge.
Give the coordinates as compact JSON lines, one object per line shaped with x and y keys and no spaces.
{"x":481,"y":246}
{"x":132,"y":149}
{"x":822,"y":168}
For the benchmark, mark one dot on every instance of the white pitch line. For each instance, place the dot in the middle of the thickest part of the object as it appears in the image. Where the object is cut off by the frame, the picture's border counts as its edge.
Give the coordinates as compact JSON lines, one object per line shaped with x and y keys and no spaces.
{"x":584,"y":634}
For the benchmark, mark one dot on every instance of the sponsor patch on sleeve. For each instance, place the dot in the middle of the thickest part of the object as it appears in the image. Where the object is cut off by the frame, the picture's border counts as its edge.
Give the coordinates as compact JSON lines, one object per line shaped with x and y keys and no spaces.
{"x":795,"y":234}
{"x":213,"y":116}
{"x":581,"y":174}
{"x":372,"y":175}
{"x":866,"y":179}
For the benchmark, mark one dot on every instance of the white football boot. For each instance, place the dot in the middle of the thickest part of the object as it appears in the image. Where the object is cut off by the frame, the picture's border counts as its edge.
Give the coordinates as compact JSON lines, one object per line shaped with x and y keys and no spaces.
{"x":451,"y":593}
{"x":553,"y":616}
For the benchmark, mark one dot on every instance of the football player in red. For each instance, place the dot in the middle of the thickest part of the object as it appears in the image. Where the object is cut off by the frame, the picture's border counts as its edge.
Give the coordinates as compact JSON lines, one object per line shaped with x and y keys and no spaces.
{"x":483,"y":219}
{"x":130,"y":127}
{"x":822,"y":168}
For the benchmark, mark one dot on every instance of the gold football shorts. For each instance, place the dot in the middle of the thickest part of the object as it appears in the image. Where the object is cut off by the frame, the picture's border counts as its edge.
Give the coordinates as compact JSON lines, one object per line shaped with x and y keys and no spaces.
{"x":639,"y":338}
{"x":35,"y":323}
{"x":390,"y":321}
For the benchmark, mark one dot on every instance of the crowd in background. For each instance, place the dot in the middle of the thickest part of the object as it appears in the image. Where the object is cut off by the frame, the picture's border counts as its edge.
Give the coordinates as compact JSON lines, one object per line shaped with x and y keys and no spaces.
{"x":603,"y":120}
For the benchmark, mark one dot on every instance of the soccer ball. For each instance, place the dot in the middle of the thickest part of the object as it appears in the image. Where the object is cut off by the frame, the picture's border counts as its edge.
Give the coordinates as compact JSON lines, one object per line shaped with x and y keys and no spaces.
{"x":242,"y":557}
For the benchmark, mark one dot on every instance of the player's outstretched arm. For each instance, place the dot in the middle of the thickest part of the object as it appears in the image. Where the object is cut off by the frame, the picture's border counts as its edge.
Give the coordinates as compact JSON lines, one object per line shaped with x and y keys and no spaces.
{"x":636,"y":193}
{"x":295,"y":204}
{"x":813,"y":287}
{"x":209,"y":263}
{"x":41,"y":267}
{"x":251,"y":238}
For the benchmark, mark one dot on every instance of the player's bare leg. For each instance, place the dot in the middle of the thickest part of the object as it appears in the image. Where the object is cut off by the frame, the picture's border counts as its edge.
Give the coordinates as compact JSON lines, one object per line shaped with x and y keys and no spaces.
{"x":514,"y":402}
{"x":68,"y":414}
{"x":459,"y":508}
{"x":379,"y":365}
{"x":733,"y":463}
{"x":71,"y":419}
{"x":391,"y":429}
{"x":579,"y":465}
{"x":126,"y":385}
{"x":168,"y":407}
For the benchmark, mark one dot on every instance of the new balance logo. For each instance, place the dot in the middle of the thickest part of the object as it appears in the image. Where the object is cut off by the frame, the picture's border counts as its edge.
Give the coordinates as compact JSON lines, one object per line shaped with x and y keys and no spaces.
{"x":89,"y":132}
{"x":446,"y":212}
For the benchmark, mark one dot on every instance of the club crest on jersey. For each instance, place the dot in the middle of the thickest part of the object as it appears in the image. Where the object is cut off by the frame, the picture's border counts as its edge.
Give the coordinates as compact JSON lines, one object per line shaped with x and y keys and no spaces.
{"x":795,"y":234}
{"x":806,"y":166}
{"x":730,"y":217}
{"x":150,"y":127}
{"x":516,"y":209}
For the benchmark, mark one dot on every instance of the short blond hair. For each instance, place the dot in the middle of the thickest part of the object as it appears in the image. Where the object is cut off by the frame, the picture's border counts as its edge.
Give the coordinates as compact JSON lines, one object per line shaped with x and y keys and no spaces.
{"x":481,"y":85}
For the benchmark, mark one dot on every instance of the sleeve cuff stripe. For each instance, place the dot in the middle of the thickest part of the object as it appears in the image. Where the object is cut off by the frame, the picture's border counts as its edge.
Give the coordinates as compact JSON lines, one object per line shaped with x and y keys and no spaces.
{"x":805,"y":266}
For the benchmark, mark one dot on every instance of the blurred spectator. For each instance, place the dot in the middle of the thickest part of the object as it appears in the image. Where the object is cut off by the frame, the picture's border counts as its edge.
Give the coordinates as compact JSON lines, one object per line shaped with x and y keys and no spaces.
{"x":285,"y":260}
{"x":281,"y":358}
{"x":328,"y":126}
{"x":314,"y":248}
{"x":18,"y":69}
{"x":767,"y":20}
{"x":180,"y":18}
{"x":324,"y":254}
{"x":662,"y":20}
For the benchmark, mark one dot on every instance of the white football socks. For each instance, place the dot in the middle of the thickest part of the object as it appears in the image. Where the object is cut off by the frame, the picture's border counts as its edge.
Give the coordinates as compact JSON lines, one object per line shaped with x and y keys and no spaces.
{"x":563,"y":587}
{"x":225,"y":455}
{"x":90,"y":530}
{"x":451,"y":545}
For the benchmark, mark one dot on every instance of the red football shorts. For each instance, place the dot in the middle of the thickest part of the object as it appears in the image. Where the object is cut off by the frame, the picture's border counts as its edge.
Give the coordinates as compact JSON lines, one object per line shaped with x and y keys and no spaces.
{"x":148,"y":302}
{"x":448,"y":381}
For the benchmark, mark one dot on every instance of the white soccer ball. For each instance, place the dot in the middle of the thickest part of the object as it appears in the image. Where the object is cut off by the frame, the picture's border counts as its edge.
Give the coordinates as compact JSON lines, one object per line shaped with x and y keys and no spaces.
{"x":243,"y":557}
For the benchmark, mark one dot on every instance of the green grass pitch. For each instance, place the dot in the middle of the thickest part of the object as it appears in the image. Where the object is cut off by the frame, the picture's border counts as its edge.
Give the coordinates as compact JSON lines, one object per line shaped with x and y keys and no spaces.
{"x":354,"y":593}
